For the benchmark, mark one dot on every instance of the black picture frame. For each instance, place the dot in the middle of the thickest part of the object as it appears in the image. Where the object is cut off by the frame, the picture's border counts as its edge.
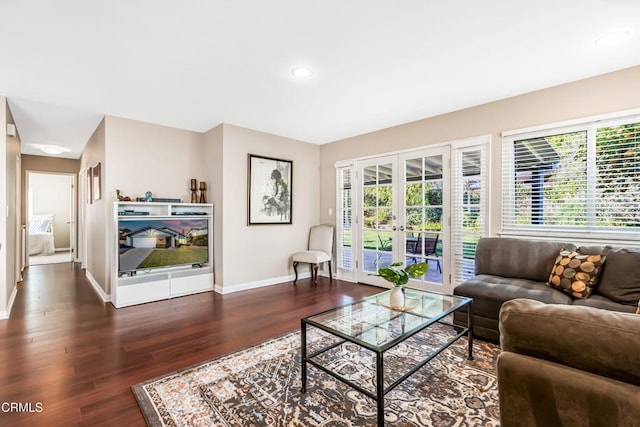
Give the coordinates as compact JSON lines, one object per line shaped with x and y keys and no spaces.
{"x":269,"y":192}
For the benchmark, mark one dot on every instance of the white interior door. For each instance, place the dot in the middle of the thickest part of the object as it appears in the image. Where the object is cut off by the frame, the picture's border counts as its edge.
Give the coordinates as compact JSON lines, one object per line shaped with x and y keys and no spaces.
{"x":403,"y":215}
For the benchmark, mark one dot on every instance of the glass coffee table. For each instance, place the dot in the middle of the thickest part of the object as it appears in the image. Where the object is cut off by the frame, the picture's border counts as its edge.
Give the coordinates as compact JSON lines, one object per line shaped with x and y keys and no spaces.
{"x":372,"y":324}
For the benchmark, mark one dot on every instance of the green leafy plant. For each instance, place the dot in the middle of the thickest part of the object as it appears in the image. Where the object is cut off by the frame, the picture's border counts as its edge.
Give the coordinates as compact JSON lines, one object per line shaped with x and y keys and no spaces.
{"x":400,"y":276}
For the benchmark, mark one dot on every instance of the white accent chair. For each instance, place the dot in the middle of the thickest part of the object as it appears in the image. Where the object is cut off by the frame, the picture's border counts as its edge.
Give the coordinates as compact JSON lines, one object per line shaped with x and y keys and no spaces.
{"x":320,"y":250}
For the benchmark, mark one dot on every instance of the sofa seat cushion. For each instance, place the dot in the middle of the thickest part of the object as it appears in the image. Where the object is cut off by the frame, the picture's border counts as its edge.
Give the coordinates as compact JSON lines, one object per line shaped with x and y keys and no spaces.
{"x":490,"y":292}
{"x":598,"y":301}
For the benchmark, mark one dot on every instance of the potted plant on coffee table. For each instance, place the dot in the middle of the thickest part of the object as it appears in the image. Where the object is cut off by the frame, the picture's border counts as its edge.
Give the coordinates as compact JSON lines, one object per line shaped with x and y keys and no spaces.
{"x":399,"y":277}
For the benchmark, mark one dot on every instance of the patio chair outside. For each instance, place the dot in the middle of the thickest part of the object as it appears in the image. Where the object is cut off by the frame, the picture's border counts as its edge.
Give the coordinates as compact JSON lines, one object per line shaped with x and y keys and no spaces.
{"x":414,"y":247}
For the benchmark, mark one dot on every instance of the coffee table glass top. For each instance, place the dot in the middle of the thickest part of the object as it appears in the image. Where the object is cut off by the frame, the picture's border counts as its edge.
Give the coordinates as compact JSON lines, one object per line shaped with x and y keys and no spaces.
{"x":373,"y":324}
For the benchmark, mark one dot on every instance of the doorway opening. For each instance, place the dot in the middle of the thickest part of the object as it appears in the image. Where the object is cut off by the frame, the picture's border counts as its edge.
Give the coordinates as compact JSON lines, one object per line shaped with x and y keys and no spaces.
{"x":50,"y":218}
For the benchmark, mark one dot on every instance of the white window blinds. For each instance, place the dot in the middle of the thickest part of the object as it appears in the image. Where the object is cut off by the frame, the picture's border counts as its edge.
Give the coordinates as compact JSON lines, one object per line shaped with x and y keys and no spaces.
{"x":583,"y":179}
{"x":344,"y":229}
{"x":469,"y":213}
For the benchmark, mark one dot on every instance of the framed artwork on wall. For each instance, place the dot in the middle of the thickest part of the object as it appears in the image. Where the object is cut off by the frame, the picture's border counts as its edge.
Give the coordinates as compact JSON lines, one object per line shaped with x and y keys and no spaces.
{"x":269,"y":190}
{"x":95,"y":185}
{"x":89,"y":185}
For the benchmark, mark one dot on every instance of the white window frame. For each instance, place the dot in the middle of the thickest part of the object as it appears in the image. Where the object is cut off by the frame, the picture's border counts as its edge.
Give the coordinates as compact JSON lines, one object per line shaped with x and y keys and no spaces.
{"x":457,"y":147}
{"x":341,"y":271}
{"x":588,"y":233}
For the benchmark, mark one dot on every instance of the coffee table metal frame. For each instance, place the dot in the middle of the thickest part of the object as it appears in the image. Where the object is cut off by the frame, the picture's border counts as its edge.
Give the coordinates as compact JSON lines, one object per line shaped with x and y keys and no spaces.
{"x":379,"y":350}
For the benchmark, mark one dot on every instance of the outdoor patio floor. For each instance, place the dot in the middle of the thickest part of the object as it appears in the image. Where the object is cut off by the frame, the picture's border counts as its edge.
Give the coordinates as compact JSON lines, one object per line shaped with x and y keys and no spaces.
{"x":374,"y":260}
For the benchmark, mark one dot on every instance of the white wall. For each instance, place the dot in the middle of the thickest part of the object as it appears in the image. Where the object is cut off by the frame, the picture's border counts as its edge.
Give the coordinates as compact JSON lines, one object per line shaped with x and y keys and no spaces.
{"x":260,"y":254}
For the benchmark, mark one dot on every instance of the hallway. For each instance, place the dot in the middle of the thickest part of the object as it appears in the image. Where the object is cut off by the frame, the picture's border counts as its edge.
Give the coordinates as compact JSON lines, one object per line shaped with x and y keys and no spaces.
{"x":77,"y":357}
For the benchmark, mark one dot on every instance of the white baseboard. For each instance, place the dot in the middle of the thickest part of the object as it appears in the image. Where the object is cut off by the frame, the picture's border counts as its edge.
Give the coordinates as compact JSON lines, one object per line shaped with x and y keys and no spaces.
{"x":4,"y":314}
{"x":262,"y":283}
{"x":96,"y":287}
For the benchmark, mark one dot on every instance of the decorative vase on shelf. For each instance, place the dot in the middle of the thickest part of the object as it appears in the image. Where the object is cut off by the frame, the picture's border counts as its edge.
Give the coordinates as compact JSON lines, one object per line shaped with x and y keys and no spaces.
{"x":396,"y":298}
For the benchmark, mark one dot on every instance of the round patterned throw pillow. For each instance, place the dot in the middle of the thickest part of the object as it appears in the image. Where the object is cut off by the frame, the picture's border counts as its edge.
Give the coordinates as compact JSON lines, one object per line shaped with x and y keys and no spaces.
{"x":575,"y":273}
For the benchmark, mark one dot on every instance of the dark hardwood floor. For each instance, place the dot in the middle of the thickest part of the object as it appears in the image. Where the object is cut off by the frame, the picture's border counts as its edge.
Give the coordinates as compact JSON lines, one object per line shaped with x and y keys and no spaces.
{"x":64,"y":348}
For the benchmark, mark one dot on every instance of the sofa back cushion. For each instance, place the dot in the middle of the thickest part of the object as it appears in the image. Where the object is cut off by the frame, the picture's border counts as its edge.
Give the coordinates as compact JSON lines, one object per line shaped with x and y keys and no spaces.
{"x":620,"y":277}
{"x":524,"y":259}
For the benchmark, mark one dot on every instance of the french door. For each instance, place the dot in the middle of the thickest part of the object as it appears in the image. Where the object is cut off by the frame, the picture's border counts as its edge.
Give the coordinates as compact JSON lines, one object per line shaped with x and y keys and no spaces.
{"x":403,"y":216}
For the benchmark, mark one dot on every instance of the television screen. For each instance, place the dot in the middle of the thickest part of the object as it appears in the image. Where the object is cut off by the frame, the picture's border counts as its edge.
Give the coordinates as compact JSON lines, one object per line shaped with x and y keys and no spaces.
{"x":155,"y":243}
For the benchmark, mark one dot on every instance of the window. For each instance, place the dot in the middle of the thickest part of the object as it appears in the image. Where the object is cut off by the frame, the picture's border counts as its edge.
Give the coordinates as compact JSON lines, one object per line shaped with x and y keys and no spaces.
{"x":344,"y":230}
{"x":581,"y":179}
{"x":470,"y":176}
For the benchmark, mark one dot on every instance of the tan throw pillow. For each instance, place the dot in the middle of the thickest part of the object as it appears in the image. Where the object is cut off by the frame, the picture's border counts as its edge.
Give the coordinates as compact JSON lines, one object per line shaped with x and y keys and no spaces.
{"x":576,"y":274}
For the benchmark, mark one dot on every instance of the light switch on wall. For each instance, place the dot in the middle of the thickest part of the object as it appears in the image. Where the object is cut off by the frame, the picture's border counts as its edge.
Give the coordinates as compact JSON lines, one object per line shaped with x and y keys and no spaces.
{"x":330,"y":211}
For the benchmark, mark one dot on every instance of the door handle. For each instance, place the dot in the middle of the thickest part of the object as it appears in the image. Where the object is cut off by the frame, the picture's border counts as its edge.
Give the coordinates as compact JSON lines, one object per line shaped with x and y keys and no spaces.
{"x":402,"y":228}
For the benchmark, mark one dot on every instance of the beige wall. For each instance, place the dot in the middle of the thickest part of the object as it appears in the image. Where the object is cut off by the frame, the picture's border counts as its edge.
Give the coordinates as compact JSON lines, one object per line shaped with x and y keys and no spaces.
{"x":10,"y":205}
{"x":52,"y":195}
{"x":213,"y":155}
{"x":598,"y":95}
{"x":95,"y":214}
{"x":144,"y":157}
{"x":5,"y":283}
{"x":148,"y":157}
{"x":137,"y":157}
{"x":45,"y":164}
{"x":262,"y":253}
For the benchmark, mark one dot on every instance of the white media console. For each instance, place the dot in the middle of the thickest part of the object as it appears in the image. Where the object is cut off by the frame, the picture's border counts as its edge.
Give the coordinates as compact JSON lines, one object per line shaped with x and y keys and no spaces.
{"x":145,"y":232}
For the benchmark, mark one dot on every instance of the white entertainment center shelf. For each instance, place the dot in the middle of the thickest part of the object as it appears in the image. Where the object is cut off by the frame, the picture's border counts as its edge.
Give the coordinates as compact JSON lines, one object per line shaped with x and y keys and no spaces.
{"x":162,"y":250}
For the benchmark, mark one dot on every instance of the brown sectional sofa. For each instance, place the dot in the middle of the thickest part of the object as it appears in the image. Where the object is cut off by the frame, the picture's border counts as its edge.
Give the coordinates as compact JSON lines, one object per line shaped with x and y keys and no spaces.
{"x":568,"y":366}
{"x":509,"y":268}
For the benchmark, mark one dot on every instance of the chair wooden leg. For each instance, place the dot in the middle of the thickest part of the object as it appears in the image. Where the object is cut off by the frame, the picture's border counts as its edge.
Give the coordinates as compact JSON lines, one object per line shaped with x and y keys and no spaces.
{"x":314,"y":273}
{"x":295,"y":269}
{"x":330,"y":273}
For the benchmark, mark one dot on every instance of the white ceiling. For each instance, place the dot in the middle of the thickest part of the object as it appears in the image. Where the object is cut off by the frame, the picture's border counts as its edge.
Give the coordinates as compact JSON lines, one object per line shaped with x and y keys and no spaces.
{"x":194,"y":64}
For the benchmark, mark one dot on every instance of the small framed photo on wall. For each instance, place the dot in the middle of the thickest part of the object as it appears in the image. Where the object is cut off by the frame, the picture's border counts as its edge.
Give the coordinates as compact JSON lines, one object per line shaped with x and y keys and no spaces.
{"x":89,"y":182}
{"x":95,"y":185}
{"x":269,"y":190}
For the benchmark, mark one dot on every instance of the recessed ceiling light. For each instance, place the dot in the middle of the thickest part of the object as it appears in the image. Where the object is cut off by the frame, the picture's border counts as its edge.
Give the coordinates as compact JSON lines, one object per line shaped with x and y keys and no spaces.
{"x":51,"y":149}
{"x":613,"y":38}
{"x":301,"y":72}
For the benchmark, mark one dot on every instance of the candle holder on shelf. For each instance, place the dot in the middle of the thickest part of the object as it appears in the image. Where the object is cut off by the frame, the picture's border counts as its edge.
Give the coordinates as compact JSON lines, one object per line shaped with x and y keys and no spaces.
{"x":194,"y":191}
{"x":203,"y":192}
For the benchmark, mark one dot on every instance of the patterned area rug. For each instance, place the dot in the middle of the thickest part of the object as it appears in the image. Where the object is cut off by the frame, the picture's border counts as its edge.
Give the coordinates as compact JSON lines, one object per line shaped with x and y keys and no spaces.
{"x":260,"y":386}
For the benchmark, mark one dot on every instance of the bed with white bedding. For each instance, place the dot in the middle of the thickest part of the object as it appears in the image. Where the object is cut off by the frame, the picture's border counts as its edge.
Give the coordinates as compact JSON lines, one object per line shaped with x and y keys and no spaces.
{"x":41,"y":240}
